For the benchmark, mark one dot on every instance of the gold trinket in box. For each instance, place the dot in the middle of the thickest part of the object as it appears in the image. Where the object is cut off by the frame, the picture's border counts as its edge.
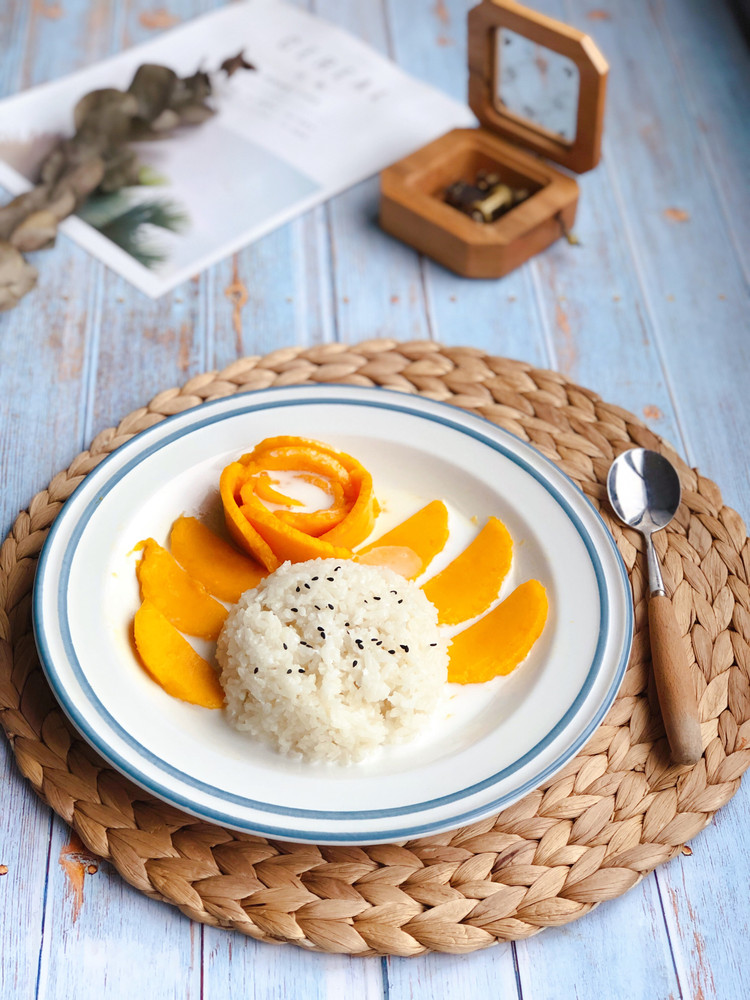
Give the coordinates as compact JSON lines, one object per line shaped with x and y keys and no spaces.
{"x":478,"y":200}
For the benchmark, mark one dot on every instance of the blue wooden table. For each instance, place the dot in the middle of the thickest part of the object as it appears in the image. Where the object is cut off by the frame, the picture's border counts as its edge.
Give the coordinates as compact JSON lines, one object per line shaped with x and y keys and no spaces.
{"x":651,"y":312}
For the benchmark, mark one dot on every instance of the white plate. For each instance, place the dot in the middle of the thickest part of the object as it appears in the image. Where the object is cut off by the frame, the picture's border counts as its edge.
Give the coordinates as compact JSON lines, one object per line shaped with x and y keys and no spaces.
{"x":495,"y":742}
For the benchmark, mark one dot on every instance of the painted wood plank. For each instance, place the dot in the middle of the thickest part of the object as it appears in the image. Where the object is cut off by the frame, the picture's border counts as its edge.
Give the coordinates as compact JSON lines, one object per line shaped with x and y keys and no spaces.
{"x":709,"y":53}
{"x":483,"y":975}
{"x":14,"y":26}
{"x":89,"y":944}
{"x":377,"y":282}
{"x":105,"y":939}
{"x":67,"y":36}
{"x":41,"y":378}
{"x":501,"y":317}
{"x":232,"y":963}
{"x":691,"y":277}
{"x":619,"y":951}
{"x":24,"y":841}
{"x":595,"y":314}
{"x":261,"y":296}
{"x":44,"y":355}
{"x":705,"y":902}
{"x":140,"y":346}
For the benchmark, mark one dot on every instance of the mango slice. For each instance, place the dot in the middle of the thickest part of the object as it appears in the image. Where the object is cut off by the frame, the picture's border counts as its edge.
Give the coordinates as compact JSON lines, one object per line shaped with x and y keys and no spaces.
{"x":243,"y":533}
{"x":497,"y":643}
{"x":273,"y":536}
{"x":265,"y":490}
{"x":223,"y":571}
{"x":468,"y":585}
{"x":400,"y":558}
{"x":172,"y":661}
{"x":182,"y":600}
{"x":425,"y":532}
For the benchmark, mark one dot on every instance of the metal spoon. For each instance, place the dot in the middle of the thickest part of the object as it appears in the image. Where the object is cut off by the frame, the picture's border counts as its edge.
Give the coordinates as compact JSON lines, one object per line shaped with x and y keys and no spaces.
{"x":644,"y":491}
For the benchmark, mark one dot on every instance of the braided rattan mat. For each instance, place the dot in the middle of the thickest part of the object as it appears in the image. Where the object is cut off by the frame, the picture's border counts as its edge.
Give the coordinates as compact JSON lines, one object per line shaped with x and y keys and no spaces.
{"x":614,"y":813}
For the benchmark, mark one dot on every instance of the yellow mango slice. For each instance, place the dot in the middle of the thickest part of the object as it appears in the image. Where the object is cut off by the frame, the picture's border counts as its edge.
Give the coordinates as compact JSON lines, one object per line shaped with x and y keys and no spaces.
{"x":183,"y":601}
{"x":497,"y":643}
{"x":243,"y":533}
{"x":172,"y":662}
{"x":399,"y":558}
{"x":468,"y":585}
{"x":425,"y":532}
{"x":223,"y":571}
{"x":286,"y":542}
{"x":264,"y":488}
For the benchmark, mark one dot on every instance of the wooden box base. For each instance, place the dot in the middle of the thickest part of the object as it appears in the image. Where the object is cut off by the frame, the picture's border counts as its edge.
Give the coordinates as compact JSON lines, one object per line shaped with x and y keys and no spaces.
{"x":412,"y":206}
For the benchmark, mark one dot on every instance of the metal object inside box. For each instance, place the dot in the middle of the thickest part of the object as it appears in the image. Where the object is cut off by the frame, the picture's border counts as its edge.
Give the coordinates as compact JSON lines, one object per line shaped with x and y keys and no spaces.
{"x":487,"y":199}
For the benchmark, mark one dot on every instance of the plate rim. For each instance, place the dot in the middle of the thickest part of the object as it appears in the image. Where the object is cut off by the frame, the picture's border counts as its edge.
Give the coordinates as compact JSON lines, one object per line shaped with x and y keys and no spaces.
{"x":322,"y":394}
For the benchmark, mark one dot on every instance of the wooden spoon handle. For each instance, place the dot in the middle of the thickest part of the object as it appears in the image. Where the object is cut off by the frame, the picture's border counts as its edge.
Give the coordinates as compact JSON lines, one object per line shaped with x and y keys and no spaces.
{"x":679,"y":707}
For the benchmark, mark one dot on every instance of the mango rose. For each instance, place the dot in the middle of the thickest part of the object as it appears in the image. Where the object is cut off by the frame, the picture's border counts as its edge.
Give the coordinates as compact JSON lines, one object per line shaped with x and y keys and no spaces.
{"x":279,"y":533}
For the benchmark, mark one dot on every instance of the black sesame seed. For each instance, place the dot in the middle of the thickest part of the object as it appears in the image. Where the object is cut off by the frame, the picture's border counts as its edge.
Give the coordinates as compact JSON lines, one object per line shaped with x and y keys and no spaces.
{"x":391,"y":651}
{"x":394,"y":592}
{"x":354,"y":663}
{"x":301,"y":670}
{"x":289,"y":671}
{"x":307,"y":586}
{"x":336,"y":569}
{"x":401,"y":601}
{"x":374,"y":639}
{"x":284,"y":645}
{"x":297,"y":589}
{"x":380,"y":642}
{"x":317,"y":607}
{"x":330,"y":607}
{"x":294,"y":609}
{"x":359,"y":643}
{"x":365,"y":600}
{"x":346,"y":624}
{"x":405,"y":648}
{"x":330,"y":579}
{"x":320,"y":628}
{"x":375,"y":598}
{"x":315,"y":578}
{"x":433,"y":644}
{"x":255,"y":671}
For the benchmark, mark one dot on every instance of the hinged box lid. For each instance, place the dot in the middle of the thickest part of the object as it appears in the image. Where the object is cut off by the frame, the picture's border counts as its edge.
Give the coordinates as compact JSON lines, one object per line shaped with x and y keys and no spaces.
{"x":537,"y":82}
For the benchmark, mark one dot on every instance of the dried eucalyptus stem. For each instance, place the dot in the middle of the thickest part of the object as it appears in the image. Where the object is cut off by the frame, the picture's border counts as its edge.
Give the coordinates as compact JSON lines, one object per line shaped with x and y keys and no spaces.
{"x":98,"y":158}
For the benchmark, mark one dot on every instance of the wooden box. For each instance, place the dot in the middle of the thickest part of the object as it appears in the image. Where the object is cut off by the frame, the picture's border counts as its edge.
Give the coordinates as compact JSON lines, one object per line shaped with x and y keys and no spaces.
{"x":524,"y":69}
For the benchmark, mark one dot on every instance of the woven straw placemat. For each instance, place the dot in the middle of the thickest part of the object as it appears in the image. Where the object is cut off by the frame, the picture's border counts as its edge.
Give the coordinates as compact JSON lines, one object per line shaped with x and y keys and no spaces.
{"x":609,"y":817}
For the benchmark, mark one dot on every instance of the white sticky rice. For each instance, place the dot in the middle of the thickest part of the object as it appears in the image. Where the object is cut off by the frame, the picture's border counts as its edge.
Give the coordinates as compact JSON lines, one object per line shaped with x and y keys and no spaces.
{"x":330,"y":659}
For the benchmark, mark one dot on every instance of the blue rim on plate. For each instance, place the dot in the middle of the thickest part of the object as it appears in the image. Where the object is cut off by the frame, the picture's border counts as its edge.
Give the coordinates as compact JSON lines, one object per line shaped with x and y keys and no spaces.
{"x":157,"y":437}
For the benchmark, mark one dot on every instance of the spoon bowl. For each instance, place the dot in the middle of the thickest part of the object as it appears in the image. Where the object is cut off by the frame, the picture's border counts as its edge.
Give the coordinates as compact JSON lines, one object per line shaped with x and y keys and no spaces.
{"x":644,"y":489}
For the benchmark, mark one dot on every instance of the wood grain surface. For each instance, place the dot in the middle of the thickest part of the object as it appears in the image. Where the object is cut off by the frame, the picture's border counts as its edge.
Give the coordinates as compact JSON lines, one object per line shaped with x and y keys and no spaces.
{"x":650,"y":311}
